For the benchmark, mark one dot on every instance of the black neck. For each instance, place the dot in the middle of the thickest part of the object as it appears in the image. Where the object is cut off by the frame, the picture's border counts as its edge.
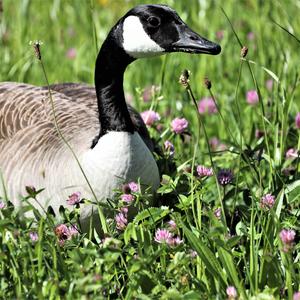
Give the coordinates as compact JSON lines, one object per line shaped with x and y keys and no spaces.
{"x":111,"y":63}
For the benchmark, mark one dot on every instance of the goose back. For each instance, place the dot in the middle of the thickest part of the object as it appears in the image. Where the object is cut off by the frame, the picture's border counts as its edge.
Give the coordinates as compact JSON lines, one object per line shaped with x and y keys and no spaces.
{"x":33,"y":153}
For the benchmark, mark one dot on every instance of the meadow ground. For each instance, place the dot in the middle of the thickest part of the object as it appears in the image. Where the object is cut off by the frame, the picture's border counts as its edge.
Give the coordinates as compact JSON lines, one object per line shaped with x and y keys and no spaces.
{"x":227,"y":223}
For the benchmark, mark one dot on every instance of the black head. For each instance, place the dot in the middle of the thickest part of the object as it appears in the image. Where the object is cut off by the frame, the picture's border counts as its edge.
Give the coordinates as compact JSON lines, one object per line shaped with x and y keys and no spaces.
{"x":149,"y":30}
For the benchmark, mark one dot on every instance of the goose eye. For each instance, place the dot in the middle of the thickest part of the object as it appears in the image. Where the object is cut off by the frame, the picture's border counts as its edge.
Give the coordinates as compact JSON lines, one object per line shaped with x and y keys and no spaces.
{"x":153,"y":21}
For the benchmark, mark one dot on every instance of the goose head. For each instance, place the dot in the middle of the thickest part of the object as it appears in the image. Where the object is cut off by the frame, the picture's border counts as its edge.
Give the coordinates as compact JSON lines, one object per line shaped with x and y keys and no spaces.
{"x":144,"y":31}
{"x":150,"y":30}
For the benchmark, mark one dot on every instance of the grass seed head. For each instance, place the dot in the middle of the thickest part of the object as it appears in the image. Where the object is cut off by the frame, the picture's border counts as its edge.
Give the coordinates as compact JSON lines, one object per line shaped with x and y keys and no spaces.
{"x":184,"y":78}
{"x":37,"y":48}
{"x":244,"y":52}
{"x":207,"y":83}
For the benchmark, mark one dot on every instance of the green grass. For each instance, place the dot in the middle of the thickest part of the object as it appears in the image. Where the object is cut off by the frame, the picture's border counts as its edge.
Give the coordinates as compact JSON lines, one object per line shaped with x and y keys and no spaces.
{"x":242,"y":248}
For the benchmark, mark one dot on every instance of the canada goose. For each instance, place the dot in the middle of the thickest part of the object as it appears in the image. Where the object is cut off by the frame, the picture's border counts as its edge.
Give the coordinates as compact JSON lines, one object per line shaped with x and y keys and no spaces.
{"x":31,"y":151}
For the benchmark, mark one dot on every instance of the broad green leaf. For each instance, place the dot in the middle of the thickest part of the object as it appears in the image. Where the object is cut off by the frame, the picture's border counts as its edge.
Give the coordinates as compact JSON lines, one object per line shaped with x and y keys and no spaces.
{"x":154,"y":213}
{"x":229,"y":266}
{"x":279,"y":204}
{"x":129,"y":233}
{"x":206,"y":255}
{"x":294,"y":185}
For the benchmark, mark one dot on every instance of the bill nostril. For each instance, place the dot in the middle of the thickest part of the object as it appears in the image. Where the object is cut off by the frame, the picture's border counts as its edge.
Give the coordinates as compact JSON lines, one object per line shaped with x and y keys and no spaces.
{"x":193,"y":37}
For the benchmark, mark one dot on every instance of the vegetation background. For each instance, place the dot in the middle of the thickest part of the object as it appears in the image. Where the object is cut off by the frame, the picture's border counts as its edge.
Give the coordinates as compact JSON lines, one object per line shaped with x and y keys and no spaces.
{"x":241,"y":247}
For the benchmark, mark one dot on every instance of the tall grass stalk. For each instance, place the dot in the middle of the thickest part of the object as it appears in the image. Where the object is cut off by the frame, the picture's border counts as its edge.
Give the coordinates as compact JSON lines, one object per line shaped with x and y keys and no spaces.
{"x":201,"y":125}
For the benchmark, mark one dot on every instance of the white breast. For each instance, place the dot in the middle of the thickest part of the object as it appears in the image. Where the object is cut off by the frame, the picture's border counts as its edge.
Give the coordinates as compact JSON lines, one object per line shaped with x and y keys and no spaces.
{"x":117,"y":158}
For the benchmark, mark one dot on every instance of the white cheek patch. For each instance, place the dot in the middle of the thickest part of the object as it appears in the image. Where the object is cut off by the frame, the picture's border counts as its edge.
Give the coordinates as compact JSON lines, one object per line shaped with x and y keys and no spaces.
{"x":136,"y":41}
